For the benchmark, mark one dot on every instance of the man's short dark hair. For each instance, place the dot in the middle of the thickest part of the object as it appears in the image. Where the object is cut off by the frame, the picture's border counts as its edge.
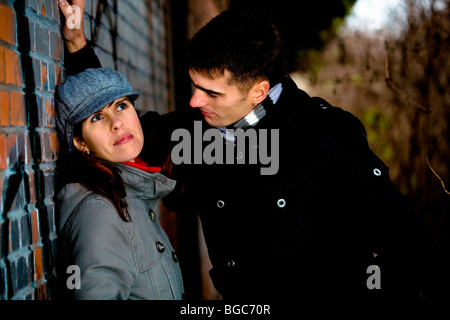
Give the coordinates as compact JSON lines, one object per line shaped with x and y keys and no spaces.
{"x":248,"y":45}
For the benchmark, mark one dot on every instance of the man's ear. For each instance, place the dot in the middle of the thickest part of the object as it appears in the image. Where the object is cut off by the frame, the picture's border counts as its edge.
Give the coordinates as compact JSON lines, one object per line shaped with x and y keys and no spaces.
{"x":260,"y":91}
{"x":80,"y":144}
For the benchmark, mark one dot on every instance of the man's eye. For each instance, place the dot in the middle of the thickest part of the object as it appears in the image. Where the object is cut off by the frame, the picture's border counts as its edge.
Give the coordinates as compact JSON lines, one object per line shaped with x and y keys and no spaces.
{"x":211,"y":95}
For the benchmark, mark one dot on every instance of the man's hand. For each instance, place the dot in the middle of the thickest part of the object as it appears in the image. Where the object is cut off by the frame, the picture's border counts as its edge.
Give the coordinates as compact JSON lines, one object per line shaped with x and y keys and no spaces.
{"x":73,"y":30}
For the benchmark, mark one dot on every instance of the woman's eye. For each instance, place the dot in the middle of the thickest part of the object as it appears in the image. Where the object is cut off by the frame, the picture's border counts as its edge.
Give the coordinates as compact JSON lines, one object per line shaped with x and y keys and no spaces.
{"x":121,"y":106}
{"x":96,"y":117}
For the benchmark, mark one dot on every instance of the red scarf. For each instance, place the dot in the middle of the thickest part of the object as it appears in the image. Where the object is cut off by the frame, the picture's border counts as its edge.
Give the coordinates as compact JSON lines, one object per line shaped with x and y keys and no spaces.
{"x":140,"y":164}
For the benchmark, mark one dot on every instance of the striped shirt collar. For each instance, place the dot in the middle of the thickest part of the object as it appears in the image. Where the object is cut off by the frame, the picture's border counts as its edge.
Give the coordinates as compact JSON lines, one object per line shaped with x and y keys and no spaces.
{"x":254,"y":116}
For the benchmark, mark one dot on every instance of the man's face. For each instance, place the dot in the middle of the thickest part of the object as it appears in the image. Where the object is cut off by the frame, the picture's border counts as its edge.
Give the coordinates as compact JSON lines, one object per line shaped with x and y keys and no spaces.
{"x":220,"y":103}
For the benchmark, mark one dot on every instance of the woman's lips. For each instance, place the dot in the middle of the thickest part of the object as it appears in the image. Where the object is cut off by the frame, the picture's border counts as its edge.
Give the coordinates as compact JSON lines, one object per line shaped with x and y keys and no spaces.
{"x":123,"y":139}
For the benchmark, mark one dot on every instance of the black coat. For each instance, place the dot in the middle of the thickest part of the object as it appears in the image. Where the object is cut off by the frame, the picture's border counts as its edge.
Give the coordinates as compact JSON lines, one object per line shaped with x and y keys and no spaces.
{"x":310,"y":230}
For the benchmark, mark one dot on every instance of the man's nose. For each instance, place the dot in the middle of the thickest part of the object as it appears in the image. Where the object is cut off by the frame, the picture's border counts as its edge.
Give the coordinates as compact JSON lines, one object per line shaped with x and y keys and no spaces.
{"x":197,"y":99}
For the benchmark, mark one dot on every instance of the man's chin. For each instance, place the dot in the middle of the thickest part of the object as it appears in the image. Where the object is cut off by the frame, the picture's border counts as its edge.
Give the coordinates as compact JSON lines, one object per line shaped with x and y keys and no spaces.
{"x":211,"y":122}
{"x":216,"y":123}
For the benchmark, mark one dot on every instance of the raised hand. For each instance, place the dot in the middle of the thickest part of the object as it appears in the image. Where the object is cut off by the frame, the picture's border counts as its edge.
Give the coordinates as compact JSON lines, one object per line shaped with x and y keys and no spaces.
{"x":73,"y":29}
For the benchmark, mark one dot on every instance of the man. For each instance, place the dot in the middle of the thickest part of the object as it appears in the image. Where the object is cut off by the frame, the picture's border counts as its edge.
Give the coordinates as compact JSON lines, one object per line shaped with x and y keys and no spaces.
{"x":300,"y":208}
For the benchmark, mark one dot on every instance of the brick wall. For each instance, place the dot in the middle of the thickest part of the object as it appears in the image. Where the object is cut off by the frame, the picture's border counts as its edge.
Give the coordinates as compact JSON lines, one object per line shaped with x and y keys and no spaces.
{"x":132,"y":36}
{"x":141,"y":49}
{"x":30,"y":68}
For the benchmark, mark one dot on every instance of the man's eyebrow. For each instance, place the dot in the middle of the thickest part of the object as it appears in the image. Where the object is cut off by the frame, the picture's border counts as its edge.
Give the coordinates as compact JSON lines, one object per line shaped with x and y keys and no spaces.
{"x":208,"y":90}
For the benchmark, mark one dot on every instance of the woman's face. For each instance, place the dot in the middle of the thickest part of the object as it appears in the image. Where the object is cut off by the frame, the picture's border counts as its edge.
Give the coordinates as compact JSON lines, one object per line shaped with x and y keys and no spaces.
{"x":114,"y":133}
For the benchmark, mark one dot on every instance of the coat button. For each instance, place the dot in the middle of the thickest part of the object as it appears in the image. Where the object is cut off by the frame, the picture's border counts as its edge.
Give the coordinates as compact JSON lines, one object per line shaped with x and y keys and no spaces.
{"x":377,"y":172}
{"x":220,"y":204}
{"x":160,"y":247}
{"x":231,"y":263}
{"x":281,"y":203}
{"x":174,"y":256}
{"x":152,"y":215}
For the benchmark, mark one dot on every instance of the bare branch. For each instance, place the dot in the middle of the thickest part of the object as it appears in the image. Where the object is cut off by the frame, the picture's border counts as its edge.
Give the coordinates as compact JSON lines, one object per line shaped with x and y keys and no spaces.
{"x":442,"y":182}
{"x":391,"y":84}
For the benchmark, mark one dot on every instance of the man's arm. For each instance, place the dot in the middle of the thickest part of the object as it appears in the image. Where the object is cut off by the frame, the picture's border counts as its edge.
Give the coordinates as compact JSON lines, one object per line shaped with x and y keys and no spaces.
{"x":79,"y":54}
{"x":387,"y":215}
{"x":81,"y":60}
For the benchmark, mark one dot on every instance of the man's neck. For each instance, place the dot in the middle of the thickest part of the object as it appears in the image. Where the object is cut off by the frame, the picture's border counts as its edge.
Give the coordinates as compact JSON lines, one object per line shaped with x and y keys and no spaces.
{"x":254,"y":116}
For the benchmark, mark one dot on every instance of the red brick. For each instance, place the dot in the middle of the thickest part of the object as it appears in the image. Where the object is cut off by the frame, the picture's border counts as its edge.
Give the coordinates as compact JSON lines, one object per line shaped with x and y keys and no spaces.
{"x":48,"y":144}
{"x":49,"y":113}
{"x":53,"y":144}
{"x":12,"y":67}
{"x":12,"y":148}
{"x":28,"y":152}
{"x":4,"y":108}
{"x":4,"y":149}
{"x":44,"y":78}
{"x":38,"y":266}
{"x":43,"y":10}
{"x":17,"y":114}
{"x":31,"y":187}
{"x":34,"y":227}
{"x":7,"y":25}
{"x":1,"y":206}
{"x":58,"y":78}
{"x":2,"y":65}
{"x":56,"y":46}
{"x":41,"y":292}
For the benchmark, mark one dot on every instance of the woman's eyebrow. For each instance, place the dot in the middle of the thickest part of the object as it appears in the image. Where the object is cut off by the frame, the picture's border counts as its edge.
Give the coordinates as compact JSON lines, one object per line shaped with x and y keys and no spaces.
{"x":116,"y":102}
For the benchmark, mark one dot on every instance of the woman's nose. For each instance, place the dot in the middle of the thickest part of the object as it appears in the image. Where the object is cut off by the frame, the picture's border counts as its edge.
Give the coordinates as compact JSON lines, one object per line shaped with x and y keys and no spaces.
{"x":116,"y":124}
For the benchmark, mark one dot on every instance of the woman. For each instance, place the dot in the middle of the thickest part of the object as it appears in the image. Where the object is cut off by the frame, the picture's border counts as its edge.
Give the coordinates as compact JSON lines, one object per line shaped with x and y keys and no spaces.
{"x":107,"y":224}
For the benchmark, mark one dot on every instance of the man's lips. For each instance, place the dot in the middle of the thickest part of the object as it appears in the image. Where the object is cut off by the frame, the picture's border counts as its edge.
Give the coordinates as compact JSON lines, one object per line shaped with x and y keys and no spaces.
{"x":206,"y":113}
{"x":123,"y":139}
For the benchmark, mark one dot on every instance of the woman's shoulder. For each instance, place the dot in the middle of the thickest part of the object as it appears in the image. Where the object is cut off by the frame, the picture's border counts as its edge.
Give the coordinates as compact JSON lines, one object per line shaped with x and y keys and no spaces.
{"x":92,"y":222}
{"x":74,"y":195}
{"x":77,"y":204}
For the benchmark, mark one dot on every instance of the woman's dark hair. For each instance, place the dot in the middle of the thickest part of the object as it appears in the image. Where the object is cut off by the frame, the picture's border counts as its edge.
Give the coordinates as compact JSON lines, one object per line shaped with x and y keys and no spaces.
{"x":98,"y":176}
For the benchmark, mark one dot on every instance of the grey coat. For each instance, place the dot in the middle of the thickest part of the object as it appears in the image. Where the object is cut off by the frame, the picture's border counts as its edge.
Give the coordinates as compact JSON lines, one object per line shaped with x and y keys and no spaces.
{"x":118,"y":259}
